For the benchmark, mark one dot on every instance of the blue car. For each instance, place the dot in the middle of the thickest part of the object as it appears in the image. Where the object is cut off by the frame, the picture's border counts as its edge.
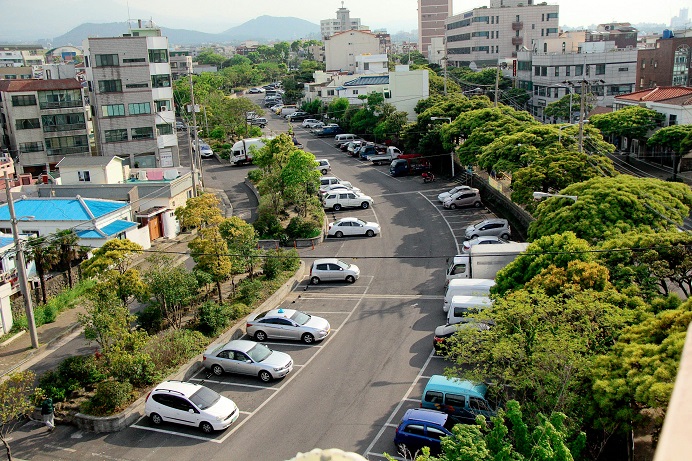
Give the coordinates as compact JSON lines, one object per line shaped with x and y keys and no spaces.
{"x":422,"y":428}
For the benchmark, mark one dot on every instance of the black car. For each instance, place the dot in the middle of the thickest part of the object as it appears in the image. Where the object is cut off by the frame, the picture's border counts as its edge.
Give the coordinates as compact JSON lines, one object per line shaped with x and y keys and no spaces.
{"x":298,"y":116}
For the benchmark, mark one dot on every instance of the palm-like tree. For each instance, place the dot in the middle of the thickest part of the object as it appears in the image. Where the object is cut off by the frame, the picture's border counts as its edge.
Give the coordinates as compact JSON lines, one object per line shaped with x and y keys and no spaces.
{"x":45,"y":257}
{"x":65,"y":243}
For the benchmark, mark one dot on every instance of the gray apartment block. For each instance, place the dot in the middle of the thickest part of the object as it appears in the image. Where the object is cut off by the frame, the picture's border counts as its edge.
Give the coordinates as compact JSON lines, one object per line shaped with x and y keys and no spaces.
{"x":131,"y":95}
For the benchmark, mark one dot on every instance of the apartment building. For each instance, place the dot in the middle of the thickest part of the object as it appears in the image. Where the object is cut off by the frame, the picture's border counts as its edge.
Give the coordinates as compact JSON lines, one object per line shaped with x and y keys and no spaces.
{"x":431,"y":21}
{"x":21,"y":55}
{"x":131,"y":95}
{"x":343,"y":22}
{"x":341,"y":49}
{"x":485,"y":35}
{"x":666,"y":63}
{"x":43,"y":121}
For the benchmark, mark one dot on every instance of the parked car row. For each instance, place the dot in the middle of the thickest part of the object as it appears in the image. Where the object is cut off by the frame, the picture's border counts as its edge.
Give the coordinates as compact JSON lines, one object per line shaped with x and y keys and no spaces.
{"x":336,"y":194}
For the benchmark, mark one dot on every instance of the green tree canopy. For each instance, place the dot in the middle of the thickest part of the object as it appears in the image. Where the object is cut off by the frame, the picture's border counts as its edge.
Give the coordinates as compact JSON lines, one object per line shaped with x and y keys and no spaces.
{"x":16,"y":403}
{"x":199,"y":212}
{"x":560,"y":109}
{"x":632,"y":122}
{"x":171,"y":288}
{"x":671,"y":137}
{"x":115,"y":255}
{"x":607,"y":207}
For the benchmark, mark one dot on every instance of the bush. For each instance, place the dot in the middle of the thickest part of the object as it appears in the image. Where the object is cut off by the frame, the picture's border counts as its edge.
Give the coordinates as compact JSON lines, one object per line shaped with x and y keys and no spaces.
{"x":136,"y":367}
{"x":290,"y":261}
{"x":255,"y":175}
{"x":150,"y":319}
{"x":271,"y":265}
{"x":249,"y":291}
{"x":85,"y":369}
{"x":268,"y":225}
{"x":169,"y":349}
{"x":110,"y":396}
{"x":303,"y":228}
{"x":57,"y":386}
{"x":213,"y":317}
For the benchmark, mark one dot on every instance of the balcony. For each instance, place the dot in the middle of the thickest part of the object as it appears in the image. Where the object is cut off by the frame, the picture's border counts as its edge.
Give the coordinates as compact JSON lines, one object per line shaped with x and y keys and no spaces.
{"x":71,"y":127}
{"x":517,"y":25}
{"x":68,"y":150}
{"x":517,"y":40}
{"x":60,"y":104}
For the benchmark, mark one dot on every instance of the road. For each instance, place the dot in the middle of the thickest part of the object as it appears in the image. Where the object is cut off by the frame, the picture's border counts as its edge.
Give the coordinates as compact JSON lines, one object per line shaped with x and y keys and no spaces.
{"x":350,"y":390}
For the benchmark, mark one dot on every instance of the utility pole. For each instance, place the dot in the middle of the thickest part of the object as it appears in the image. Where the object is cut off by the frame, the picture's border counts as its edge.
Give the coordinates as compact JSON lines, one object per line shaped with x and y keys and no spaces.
{"x":196,"y":153}
{"x":445,"y":86}
{"x":581,"y":116}
{"x":497,"y":82}
{"x":21,"y":268}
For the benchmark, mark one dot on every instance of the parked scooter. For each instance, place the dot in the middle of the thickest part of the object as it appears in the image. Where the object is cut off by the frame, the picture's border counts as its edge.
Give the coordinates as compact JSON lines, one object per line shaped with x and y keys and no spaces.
{"x":428,"y":177}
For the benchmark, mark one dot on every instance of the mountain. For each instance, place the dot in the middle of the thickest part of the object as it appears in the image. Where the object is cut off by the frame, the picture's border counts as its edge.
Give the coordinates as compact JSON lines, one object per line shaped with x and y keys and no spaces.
{"x":263,"y":29}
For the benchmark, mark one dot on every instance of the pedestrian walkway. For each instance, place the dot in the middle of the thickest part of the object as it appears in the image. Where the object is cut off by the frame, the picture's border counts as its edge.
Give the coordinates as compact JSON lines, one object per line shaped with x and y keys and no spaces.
{"x":17,"y":353}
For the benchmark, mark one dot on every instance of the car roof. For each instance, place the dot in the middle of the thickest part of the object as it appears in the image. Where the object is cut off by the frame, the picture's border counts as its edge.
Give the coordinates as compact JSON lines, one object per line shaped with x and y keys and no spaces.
{"x":446,"y":384}
{"x":240,"y":345}
{"x":185,"y":388}
{"x":327,"y":260}
{"x":349,"y":218}
{"x":425,"y":415}
{"x":492,"y":220}
{"x":280,"y":312}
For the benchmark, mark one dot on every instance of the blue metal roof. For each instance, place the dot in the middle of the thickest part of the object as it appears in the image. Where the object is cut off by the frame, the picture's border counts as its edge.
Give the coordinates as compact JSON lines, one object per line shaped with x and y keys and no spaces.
{"x":110,"y":230}
{"x":56,"y":209}
{"x":369,"y":80}
{"x":6,"y":241}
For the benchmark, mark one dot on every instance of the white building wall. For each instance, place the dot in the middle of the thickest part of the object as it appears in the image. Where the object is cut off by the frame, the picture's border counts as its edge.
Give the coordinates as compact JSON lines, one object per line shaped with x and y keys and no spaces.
{"x":340,"y":50}
{"x":407,"y":88}
{"x":140,"y":236}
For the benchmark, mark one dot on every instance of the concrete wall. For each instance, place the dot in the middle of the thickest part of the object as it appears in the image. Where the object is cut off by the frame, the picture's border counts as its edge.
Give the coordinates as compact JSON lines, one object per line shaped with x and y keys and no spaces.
{"x":340,"y":50}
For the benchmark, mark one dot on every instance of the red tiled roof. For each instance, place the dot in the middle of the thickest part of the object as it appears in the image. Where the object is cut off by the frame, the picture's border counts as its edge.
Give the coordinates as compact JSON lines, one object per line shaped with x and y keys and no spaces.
{"x":600,"y":110}
{"x":658,"y":94}
{"x":39,"y":85}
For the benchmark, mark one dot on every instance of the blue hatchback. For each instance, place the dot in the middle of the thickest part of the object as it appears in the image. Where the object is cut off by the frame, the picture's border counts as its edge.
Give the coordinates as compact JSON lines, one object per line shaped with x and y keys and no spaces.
{"x":422,"y":428}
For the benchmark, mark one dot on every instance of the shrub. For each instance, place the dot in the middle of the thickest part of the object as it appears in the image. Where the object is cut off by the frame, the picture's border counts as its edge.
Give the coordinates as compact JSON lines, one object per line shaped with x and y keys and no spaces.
{"x":255,"y":175}
{"x":303,"y":228}
{"x":249,"y":291}
{"x":239,"y":310}
{"x":150,"y":319}
{"x":57,"y":386}
{"x":136,"y":367}
{"x":290,"y":261}
{"x":213,"y":317}
{"x":85,"y":369}
{"x":110,"y":396}
{"x":171,"y":348}
{"x":268,"y":225}
{"x":271,"y":265}
{"x":50,"y":312}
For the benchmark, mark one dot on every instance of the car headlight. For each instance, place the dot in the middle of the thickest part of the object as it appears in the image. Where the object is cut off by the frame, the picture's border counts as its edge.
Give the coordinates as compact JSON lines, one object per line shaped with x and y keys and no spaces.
{"x":279,"y":369}
{"x":219,"y":418}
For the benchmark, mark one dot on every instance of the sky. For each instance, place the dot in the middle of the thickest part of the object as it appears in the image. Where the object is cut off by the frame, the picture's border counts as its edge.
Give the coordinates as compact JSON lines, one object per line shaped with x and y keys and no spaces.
{"x":32,"y":19}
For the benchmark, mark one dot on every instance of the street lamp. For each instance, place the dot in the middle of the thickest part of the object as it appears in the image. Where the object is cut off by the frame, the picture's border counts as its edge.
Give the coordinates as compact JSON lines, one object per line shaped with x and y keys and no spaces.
{"x":451,"y":153}
{"x":542,"y":195}
{"x":21,"y":265}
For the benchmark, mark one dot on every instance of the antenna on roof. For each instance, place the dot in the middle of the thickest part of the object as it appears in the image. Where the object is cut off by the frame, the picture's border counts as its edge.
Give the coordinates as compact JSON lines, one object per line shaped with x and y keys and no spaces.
{"x":129,"y":20}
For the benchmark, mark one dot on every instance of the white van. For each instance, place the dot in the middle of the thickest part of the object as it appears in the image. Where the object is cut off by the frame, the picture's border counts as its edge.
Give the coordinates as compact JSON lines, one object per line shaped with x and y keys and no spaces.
{"x":462,"y":306}
{"x":286,"y":110}
{"x":342,"y":138}
{"x":466,"y":287}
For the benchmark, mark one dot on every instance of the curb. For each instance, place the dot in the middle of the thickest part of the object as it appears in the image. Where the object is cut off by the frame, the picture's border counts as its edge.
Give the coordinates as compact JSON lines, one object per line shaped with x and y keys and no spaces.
{"x":12,"y":338}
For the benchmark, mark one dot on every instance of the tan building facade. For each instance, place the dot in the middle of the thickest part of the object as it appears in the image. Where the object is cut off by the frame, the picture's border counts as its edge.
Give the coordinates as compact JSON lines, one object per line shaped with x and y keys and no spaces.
{"x":340,"y":50}
{"x":431,"y":21}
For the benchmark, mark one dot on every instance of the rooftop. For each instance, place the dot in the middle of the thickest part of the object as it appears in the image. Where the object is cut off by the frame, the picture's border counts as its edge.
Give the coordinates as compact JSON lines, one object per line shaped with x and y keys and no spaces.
{"x":86,"y":161}
{"x":369,"y":80}
{"x":61,"y":209}
{"x":678,"y":95}
{"x":39,"y":85}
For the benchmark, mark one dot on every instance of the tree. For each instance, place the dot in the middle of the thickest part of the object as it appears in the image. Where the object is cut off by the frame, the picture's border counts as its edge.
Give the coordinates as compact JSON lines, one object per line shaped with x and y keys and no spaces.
{"x":241,"y":240}
{"x":200,"y":212}
{"x":65,"y":244}
{"x":337,"y":108}
{"x":560,"y":109}
{"x":106,"y":321}
{"x":114,"y":255}
{"x":209,"y":56}
{"x":301,"y":180}
{"x":632,"y":122}
{"x":15,"y":403}
{"x":210,"y":253}
{"x":673,"y":137}
{"x":45,"y":257}
{"x":607,"y":207}
{"x":172,"y":288}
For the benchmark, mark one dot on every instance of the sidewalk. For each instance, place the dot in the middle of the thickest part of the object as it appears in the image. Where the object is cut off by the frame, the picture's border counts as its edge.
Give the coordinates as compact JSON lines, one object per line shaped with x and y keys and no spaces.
{"x":17,"y":353}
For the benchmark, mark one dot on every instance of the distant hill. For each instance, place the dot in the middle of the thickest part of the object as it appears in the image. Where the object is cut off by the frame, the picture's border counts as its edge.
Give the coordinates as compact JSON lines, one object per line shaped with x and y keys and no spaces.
{"x":263,"y":29}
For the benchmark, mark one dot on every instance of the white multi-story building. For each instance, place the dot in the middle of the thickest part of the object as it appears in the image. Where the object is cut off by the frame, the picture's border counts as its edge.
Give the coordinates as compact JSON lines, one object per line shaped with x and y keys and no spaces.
{"x":486,"y":35}
{"x":340,"y":50}
{"x":131,"y":94}
{"x":431,"y":21}
{"x":43,"y":122}
{"x":21,"y":55}
{"x":550,"y":76}
{"x":343,"y":22}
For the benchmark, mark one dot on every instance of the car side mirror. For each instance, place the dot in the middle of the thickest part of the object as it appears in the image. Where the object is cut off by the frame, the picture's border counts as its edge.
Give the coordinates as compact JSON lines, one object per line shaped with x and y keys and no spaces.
{"x":248,"y":361}
{"x":190,"y":410}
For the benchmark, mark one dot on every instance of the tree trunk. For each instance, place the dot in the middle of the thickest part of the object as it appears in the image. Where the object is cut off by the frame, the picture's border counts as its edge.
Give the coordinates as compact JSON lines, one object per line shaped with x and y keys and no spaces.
{"x":7,"y":446}
{"x":218,"y":287}
{"x":42,"y":283}
{"x":69,"y":274}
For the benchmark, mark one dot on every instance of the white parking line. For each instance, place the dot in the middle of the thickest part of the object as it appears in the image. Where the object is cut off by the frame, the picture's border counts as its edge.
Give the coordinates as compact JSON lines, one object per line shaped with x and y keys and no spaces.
{"x":164,"y":431}
{"x":456,"y":243}
{"x":398,"y":406}
{"x":55,"y":447}
{"x":388,"y":175}
{"x":254,"y":386}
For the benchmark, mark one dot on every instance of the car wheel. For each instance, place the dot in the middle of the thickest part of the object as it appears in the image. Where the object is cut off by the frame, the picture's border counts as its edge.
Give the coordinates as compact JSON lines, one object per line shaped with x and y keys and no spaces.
{"x":324,"y":171}
{"x":338,"y":234}
{"x":337,"y":207}
{"x":308,"y":338}
{"x":206,"y":427}
{"x":505,"y":236}
{"x":474,"y":236}
{"x":217,"y":370}
{"x":260,"y":336}
{"x":365,"y":205}
{"x":265,"y":376}
{"x":477,"y":204}
{"x":156,"y":418}
{"x":350,"y":279}
{"x":370,"y":233}
{"x":315,"y":280}
{"x":453,"y":206}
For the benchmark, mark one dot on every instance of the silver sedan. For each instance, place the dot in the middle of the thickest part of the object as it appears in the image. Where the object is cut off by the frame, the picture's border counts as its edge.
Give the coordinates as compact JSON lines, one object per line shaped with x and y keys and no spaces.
{"x":247,"y":358}
{"x":288,"y":324}
{"x":353,"y":226}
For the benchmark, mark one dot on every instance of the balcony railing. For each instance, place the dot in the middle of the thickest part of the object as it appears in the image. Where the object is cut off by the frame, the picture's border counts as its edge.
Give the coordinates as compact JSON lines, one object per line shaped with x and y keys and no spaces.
{"x":60,"y":104}
{"x":517,"y":40}
{"x":70,"y":127}
{"x":517,"y":25}
{"x":68,"y":150}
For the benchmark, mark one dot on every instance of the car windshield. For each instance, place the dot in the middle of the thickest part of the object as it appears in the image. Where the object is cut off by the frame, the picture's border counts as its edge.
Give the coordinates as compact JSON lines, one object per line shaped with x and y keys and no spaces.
{"x":301,"y":318}
{"x":204,"y":398}
{"x":259,"y":352}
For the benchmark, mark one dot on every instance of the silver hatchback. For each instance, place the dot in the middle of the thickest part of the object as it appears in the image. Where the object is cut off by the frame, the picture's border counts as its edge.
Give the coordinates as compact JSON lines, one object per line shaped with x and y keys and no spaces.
{"x":332,"y":269}
{"x":288,"y":324}
{"x":247,"y":358}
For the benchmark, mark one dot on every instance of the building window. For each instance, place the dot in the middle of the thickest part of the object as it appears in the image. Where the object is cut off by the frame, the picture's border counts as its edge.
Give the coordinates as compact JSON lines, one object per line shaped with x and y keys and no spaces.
{"x":133,"y":60}
{"x":113,"y":110}
{"x":623,"y":69}
{"x":643,"y":63}
{"x":600,"y":69}
{"x":139,"y":108}
{"x":579,"y":70}
{"x":116,"y":135}
{"x":163,"y":105}
{"x":24,"y":100}
{"x":557,"y":71}
{"x":544,"y":71}
{"x":67,"y":145}
{"x":551,"y":16}
{"x":158,"y":55}
{"x":355,"y":91}
{"x":26,"y":147}
{"x":536,"y":71}
{"x":110,"y":86}
{"x":164,"y":128}
{"x":366,"y":66}
{"x":146,"y":132}
{"x":543,"y":17}
{"x":60,"y":99}
{"x":160,"y":81}
{"x":105,"y":60}
{"x":84,"y":176}
{"x":672,"y":120}
{"x":63,"y":122}
{"x":27,"y":123}
{"x":330,"y":92}
{"x":567,"y":71}
{"x":137,"y":85}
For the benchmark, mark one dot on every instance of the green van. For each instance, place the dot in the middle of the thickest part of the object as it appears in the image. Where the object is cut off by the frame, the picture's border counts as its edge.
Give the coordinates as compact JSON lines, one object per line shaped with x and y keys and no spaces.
{"x":461,"y":399}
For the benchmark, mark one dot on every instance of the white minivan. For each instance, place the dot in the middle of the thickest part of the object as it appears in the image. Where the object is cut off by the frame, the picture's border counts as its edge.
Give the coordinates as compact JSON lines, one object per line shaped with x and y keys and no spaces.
{"x":466,"y":287}
{"x":342,"y":138}
{"x":462,"y":306}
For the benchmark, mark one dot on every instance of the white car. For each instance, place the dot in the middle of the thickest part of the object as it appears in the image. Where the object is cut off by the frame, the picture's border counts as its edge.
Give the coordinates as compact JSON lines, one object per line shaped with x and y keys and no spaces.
{"x":343,"y":186}
{"x":323,"y":166}
{"x":353,"y":226}
{"x":247,"y":358}
{"x":205,"y":150}
{"x":256,"y":90}
{"x":332,"y":269}
{"x":493,"y":226}
{"x":347,"y":199}
{"x":190,"y":404}
{"x":486,"y":240}
{"x":445,"y":195}
{"x":312,"y":123}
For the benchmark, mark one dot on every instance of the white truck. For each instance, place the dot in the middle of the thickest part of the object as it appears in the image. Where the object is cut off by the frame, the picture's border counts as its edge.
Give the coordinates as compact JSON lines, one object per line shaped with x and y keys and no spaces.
{"x":483,"y":261}
{"x":386,"y":157}
{"x":241,"y":152}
